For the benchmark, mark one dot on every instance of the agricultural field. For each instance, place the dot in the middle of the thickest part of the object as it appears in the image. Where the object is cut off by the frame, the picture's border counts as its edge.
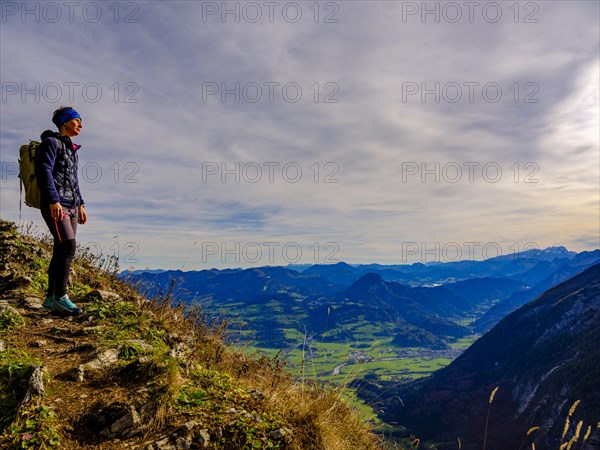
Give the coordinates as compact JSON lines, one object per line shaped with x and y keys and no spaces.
{"x":340,"y":363}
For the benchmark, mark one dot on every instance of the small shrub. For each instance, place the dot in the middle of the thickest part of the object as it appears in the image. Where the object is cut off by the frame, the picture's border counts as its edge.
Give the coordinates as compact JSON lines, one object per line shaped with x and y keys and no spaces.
{"x":10,"y":319}
{"x":14,"y":376}
{"x":35,"y":428}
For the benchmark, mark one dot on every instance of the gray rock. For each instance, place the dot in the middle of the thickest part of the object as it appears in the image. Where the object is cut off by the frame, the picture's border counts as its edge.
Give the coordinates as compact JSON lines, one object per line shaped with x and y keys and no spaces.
{"x":98,"y":360}
{"x":139,"y":299}
{"x":143,"y":345}
{"x":76,"y":374}
{"x":33,"y":303}
{"x":190,"y":425}
{"x":102,"y":295}
{"x":161,"y":444}
{"x":183,"y":442}
{"x":104,"y":359}
{"x":122,"y":419}
{"x":128,"y":425}
{"x":36,"y":384}
{"x":173,"y":337}
{"x":2,"y":347}
{"x":186,"y":437}
{"x":9,"y":302}
{"x":8,"y":309}
{"x":279,"y":434}
{"x":180,"y":351}
{"x":218,"y":433}
{"x":203,"y":438}
{"x":257,"y":395}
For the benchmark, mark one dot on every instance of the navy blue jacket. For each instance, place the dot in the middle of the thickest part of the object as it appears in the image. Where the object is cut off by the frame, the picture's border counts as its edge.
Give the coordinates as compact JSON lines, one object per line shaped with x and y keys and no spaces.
{"x":56,"y":170}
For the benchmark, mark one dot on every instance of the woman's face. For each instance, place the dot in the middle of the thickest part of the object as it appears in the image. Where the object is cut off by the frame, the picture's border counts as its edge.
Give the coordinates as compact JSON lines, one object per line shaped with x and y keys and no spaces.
{"x":73,"y":127}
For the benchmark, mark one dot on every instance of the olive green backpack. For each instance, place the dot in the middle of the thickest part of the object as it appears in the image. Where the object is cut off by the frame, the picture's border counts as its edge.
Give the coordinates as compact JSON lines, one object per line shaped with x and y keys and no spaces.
{"x":28,"y":181}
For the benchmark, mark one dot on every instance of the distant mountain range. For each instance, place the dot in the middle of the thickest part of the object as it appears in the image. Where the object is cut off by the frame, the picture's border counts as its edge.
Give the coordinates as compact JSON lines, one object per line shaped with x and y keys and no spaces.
{"x":529,"y":266}
{"x":416,"y":304}
{"x":543,"y":358}
{"x":541,"y":277}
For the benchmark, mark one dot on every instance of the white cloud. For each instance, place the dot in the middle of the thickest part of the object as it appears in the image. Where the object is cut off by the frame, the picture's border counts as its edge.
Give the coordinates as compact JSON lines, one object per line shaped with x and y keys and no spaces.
{"x":370,"y":57}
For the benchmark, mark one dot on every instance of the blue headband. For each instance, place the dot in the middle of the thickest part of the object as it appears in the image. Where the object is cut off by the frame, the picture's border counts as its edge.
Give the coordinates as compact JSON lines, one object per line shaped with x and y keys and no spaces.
{"x":65,"y":116}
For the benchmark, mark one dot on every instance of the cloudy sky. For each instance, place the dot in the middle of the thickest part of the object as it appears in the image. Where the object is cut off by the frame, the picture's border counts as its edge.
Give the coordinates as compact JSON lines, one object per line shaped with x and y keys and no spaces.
{"x":238,"y":134}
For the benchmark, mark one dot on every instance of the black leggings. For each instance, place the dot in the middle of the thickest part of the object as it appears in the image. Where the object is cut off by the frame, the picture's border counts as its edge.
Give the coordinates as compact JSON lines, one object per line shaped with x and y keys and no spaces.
{"x":63,"y":231}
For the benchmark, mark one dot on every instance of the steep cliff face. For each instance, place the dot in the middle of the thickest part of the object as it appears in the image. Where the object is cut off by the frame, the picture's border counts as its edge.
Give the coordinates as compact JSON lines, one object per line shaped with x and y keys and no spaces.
{"x":543,"y":357}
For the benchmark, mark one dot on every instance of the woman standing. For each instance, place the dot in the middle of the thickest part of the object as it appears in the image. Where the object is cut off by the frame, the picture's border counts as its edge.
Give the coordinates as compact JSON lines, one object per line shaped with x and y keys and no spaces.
{"x":61,"y":203}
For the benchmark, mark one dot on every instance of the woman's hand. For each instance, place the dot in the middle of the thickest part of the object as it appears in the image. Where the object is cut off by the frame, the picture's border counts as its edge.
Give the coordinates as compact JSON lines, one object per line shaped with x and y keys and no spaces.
{"x":82,"y":215}
{"x":56,"y":211}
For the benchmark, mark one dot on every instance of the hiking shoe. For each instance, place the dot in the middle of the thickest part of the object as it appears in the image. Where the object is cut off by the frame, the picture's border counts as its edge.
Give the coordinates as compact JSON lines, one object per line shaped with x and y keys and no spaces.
{"x":49,"y":302}
{"x":65,"y":306}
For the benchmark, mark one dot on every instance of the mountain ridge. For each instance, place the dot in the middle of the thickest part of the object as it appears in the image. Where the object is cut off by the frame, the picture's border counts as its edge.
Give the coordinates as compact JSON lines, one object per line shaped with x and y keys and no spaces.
{"x":336,"y":296}
{"x":542,"y":357}
{"x":555,"y":272}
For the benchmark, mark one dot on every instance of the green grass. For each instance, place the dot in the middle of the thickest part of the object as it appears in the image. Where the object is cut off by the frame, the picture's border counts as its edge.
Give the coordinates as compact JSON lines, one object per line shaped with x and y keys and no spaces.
{"x":365,"y":412}
{"x":35,"y":429}
{"x":10,"y":319}
{"x":316,"y":360}
{"x":14,"y":376}
{"x":465,"y":342}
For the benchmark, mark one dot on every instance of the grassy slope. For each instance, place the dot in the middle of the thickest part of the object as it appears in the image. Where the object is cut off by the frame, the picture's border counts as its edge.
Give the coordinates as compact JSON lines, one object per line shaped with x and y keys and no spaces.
{"x":210,"y":383}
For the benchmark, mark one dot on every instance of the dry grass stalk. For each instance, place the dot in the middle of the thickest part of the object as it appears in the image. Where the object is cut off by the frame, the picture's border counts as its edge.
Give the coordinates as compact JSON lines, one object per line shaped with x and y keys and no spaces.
{"x":565,"y":429}
{"x":587,"y":434}
{"x":493,"y":394}
{"x":487,"y":419}
{"x":529,"y":432}
{"x":573,"y":407}
{"x":575,"y":438}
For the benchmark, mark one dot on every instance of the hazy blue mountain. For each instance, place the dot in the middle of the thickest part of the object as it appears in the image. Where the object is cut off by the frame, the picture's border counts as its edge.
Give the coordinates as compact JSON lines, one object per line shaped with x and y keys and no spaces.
{"x":374,"y":299}
{"x":273,"y":299}
{"x":340,"y":274}
{"x":298,"y":267}
{"x":549,"y":274}
{"x":529,"y":267}
{"x":234,"y":283}
{"x":125,"y":273}
{"x":478,"y":290}
{"x":497,"y":267}
{"x":406,"y":302}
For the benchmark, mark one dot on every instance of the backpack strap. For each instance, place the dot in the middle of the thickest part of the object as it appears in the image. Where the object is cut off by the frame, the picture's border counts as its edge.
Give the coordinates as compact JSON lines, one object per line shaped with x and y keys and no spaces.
{"x":20,"y":197}
{"x":63,"y":148}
